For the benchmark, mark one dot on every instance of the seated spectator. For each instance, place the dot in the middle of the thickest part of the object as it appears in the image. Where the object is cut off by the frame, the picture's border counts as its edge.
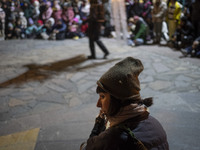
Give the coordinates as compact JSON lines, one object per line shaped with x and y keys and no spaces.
{"x":19,"y":30}
{"x":10,"y":31}
{"x":39,"y":30}
{"x":48,"y":12}
{"x":31,"y":30}
{"x":73,"y":30}
{"x":84,"y":9}
{"x":84,"y":27}
{"x":138,"y":35}
{"x":27,"y":9}
{"x":36,"y":11}
{"x":57,"y":12}
{"x":47,"y":29}
{"x":67,"y":13}
{"x":58,"y":31}
{"x":184,"y":34}
{"x":193,"y":50}
{"x":23,"y":20}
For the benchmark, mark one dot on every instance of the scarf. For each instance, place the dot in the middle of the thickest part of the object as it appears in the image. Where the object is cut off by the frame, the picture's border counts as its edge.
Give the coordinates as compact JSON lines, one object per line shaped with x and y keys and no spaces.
{"x":125,"y":113}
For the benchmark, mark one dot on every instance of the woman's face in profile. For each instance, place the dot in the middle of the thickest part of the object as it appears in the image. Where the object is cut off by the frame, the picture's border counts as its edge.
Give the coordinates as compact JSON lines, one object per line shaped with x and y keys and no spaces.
{"x":104,"y":102}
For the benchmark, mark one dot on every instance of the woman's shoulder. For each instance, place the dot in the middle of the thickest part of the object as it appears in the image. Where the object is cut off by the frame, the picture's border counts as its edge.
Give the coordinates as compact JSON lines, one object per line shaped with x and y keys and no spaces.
{"x":151,"y":133}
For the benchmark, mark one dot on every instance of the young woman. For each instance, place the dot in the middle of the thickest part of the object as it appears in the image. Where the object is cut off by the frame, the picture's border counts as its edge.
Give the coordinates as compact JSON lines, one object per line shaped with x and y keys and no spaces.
{"x":124,"y":122}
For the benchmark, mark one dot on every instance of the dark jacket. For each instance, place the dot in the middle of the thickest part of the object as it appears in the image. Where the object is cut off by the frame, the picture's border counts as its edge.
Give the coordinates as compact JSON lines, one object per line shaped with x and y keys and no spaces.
{"x":149,"y":131}
{"x":94,"y":27}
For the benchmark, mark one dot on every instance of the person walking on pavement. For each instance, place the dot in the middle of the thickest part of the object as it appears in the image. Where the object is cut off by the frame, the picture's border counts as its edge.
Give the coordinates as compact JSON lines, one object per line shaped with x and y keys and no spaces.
{"x":124,"y":122}
{"x":94,"y":28}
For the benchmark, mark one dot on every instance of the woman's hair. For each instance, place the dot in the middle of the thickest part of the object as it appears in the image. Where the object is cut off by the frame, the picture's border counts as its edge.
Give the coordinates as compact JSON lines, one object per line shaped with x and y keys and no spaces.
{"x":116,"y":104}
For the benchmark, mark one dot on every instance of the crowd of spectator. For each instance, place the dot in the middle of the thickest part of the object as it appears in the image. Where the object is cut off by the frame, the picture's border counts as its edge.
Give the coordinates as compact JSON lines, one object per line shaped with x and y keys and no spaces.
{"x":44,"y":19}
{"x":175,"y":21}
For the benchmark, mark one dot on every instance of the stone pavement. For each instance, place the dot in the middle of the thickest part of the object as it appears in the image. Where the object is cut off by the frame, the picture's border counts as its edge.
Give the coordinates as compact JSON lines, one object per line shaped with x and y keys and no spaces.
{"x":49,"y":87}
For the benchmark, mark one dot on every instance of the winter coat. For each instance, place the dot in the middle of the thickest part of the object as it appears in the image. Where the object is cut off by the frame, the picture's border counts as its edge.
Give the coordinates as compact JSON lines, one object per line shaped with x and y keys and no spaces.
{"x":146,"y":9}
{"x":149,"y":132}
{"x":187,"y":29}
{"x":47,"y":14}
{"x":140,"y":30}
{"x":174,"y":13}
{"x":158,"y":12}
{"x":61,"y":28}
{"x":57,"y":15}
{"x":136,"y":10}
{"x":94,"y":28}
{"x":68,"y":15}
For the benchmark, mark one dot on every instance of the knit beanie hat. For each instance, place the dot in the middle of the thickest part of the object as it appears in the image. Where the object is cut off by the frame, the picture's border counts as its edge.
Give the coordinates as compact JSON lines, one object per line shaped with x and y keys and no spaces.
{"x":121,"y":80}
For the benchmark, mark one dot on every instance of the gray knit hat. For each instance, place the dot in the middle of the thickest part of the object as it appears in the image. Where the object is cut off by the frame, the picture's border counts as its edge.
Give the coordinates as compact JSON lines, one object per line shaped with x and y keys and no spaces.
{"x":121,"y":81}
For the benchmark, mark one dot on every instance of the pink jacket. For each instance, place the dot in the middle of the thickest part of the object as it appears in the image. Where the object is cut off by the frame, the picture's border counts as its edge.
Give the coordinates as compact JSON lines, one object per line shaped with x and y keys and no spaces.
{"x":57,"y":15}
{"x":47,"y":14}
{"x":68,"y":15}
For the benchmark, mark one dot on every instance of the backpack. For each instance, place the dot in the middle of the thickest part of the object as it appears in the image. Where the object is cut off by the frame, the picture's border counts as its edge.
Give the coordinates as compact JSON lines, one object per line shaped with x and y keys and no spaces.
{"x":135,"y":143}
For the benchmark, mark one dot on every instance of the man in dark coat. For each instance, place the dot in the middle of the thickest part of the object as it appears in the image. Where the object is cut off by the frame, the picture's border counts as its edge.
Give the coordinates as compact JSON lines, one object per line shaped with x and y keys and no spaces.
{"x":94,"y":29}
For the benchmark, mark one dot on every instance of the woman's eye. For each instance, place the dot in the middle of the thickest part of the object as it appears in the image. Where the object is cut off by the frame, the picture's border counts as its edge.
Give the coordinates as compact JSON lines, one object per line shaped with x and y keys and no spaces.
{"x":102,"y":96}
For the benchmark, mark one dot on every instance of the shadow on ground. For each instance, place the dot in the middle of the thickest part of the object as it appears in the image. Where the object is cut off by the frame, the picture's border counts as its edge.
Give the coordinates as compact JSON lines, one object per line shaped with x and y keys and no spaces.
{"x":43,"y":72}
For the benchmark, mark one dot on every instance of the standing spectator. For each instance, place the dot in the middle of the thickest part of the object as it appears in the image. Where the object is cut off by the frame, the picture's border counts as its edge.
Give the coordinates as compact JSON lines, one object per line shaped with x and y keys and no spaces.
{"x":48,"y":12}
{"x":173,"y":16}
{"x":146,"y":10}
{"x":158,"y":16}
{"x":136,"y":9}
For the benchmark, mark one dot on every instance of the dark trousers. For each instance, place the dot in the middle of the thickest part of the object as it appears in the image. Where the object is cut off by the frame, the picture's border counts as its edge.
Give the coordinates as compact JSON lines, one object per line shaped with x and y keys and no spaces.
{"x":99,"y":43}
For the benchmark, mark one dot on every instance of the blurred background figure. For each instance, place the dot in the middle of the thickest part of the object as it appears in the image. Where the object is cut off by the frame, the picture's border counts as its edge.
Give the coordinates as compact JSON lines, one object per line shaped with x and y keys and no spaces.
{"x":158,"y":16}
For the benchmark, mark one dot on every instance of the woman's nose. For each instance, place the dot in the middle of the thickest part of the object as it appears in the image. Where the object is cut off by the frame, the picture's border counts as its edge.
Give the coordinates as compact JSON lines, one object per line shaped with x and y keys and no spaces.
{"x":99,"y":103}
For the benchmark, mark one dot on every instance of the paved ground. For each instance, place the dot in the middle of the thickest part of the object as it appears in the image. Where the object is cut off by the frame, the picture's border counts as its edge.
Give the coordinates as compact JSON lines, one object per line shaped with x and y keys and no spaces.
{"x":48,"y":94}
